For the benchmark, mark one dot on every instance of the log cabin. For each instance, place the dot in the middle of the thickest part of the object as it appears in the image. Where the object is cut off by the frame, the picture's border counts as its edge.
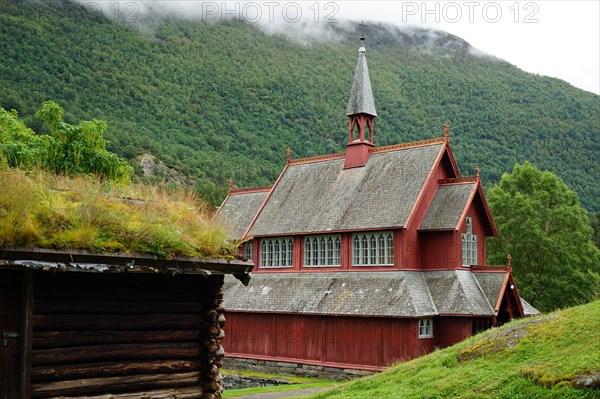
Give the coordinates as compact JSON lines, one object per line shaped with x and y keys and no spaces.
{"x":111,"y":326}
{"x":367,"y":257}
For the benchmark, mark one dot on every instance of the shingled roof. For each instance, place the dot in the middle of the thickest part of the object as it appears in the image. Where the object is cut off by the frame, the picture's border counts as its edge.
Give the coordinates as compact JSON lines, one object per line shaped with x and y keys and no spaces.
{"x":447,"y":206}
{"x":322,"y":196}
{"x":391,"y":294}
{"x":239,"y":209}
{"x":361,"y":95}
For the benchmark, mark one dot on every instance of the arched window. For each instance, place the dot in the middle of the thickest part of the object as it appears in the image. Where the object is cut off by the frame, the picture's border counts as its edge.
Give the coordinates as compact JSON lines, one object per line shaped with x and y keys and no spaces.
{"x":469,"y":244}
{"x":373,"y":249}
{"x":425,"y":328}
{"x":276,"y":252}
{"x":322,"y":250}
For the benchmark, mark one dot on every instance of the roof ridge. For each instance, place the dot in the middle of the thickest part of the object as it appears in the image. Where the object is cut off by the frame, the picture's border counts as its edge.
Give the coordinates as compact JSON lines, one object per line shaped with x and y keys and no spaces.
{"x":459,"y":180}
{"x":317,"y":158}
{"x":250,"y":189}
{"x":400,"y":146}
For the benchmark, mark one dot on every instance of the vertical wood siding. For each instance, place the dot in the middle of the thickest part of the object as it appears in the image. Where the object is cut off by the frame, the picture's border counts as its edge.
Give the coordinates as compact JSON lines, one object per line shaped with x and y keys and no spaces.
{"x":357,"y":341}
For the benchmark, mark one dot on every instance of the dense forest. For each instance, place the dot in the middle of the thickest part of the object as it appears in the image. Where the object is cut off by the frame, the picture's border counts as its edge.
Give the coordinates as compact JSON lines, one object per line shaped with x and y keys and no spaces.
{"x":220,"y":100}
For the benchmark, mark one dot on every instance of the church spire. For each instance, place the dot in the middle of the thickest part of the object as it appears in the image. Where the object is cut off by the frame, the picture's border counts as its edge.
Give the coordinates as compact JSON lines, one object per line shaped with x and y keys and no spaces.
{"x":360,"y":111}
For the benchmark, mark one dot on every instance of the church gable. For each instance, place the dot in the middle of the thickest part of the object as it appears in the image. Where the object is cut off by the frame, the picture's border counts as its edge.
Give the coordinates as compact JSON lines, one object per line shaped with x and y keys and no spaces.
{"x":239,"y":208}
{"x":324,"y":197}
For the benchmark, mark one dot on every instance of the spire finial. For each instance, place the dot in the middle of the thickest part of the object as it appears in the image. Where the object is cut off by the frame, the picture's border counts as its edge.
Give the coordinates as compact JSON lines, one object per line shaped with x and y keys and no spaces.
{"x":230,"y":184}
{"x":447,"y":130}
{"x":509,"y":258}
{"x":477,"y":170}
{"x":288,"y":154}
{"x":362,"y":30}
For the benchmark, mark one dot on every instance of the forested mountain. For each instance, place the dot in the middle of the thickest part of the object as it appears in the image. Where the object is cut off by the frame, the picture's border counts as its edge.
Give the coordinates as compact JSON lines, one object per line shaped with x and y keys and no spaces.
{"x":220,"y":100}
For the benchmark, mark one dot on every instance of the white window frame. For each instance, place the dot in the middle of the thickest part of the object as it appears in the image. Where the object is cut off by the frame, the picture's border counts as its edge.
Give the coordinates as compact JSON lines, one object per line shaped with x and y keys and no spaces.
{"x":469,"y":244}
{"x":323,"y":250}
{"x":374,"y":248}
{"x":276,"y":252}
{"x":425,"y":328}
{"x":249,"y":249}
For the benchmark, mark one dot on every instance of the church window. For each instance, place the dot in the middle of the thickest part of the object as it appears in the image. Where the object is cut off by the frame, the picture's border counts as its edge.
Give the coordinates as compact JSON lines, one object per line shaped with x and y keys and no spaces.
{"x":249,"y":249}
{"x":276,"y":252}
{"x":324,"y":250}
{"x":373,"y":249}
{"x":425,"y":328}
{"x":469,"y":244}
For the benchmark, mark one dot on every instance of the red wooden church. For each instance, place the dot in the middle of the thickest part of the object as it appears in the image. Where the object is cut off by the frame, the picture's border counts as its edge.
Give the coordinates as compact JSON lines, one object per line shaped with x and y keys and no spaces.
{"x":366,"y":257}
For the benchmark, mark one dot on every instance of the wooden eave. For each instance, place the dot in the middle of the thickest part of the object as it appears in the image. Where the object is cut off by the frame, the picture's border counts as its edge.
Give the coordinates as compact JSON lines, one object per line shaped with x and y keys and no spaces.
{"x":83,"y":261}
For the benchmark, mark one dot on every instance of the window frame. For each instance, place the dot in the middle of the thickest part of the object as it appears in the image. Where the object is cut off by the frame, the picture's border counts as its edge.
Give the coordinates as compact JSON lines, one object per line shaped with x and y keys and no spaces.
{"x":367,"y":250}
{"x":469,"y":244}
{"x":276,"y":253}
{"x":425,"y":328}
{"x":322,"y":250}
{"x":249,"y":250}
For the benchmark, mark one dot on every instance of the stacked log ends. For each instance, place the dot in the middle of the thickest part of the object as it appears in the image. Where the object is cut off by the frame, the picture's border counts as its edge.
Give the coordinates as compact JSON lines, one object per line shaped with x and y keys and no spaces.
{"x":213,"y":385}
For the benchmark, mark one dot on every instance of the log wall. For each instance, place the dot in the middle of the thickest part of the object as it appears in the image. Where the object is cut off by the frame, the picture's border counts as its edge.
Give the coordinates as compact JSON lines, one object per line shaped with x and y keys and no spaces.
{"x":127,"y":335}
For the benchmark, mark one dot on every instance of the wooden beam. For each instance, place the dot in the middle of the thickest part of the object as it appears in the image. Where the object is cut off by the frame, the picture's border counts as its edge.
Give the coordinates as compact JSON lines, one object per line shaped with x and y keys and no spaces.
{"x":85,"y":354}
{"x":119,"y":322}
{"x":176,"y":393}
{"x":130,"y":383}
{"x":61,"y":339}
{"x":113,"y":369}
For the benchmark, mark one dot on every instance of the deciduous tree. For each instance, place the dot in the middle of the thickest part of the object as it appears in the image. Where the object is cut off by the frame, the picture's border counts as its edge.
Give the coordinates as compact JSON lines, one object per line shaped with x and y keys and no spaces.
{"x":548,"y":234}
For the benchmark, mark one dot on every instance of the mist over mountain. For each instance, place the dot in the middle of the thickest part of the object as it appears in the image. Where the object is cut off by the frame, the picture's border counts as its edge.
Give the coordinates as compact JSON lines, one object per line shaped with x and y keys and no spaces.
{"x":215,"y":100}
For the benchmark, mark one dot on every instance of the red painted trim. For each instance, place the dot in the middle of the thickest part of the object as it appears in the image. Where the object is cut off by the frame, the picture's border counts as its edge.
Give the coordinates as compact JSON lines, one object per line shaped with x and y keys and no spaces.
{"x":463,"y":215}
{"x":249,"y":190}
{"x":304,"y":361}
{"x":430,"y":175}
{"x":312,"y":233}
{"x":502,"y":291}
{"x":452,"y":160}
{"x":403,"y":146}
{"x":318,"y":158}
{"x":458,"y":180}
{"x":517,"y":296}
{"x":362,"y":316}
{"x":219,"y":209}
{"x":264,"y":202}
{"x":487,"y":211}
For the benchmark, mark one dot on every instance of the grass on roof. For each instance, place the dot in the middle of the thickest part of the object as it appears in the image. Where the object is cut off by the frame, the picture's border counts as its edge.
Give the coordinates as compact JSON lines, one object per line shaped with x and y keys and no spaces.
{"x":47,"y":211}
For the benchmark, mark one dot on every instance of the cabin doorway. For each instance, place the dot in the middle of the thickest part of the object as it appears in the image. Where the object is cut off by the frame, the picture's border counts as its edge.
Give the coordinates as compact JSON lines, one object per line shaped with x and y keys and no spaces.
{"x":13,"y":334}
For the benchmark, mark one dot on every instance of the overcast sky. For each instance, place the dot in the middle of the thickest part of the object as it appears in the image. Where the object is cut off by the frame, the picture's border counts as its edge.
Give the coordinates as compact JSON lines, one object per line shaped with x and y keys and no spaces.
{"x":553,"y":38}
{"x":548,"y":37}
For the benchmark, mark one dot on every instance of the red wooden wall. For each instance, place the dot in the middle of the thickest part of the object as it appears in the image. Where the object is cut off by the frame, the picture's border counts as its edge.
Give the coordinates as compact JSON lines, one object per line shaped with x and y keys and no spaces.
{"x":361,"y":342}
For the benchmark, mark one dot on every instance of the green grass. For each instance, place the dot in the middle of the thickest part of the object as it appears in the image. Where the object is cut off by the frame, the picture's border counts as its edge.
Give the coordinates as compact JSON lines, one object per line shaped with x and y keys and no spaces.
{"x":297,"y":382}
{"x":83,"y":213}
{"x":545,"y":362}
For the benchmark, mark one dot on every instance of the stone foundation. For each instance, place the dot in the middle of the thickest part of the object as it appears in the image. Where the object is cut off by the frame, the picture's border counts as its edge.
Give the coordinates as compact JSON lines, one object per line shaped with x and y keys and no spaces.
{"x":305,"y":370}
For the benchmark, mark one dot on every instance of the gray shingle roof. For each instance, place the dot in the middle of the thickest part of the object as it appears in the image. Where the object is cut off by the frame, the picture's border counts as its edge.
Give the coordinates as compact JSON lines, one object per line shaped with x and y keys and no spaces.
{"x":323,"y":196}
{"x":457,"y":292}
{"x":361,"y":94}
{"x":391,"y":294}
{"x":528,"y":309}
{"x":238,"y":211}
{"x":491,"y":284}
{"x":446,"y":207}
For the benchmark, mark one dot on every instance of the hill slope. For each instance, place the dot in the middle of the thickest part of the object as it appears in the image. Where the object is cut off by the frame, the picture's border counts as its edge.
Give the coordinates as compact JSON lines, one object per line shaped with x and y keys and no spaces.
{"x":225,"y":100}
{"x":552,"y":356}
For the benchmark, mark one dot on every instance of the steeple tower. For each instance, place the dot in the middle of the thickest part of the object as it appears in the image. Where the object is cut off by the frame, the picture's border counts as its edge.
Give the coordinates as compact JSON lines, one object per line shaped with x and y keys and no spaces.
{"x":361,"y":113}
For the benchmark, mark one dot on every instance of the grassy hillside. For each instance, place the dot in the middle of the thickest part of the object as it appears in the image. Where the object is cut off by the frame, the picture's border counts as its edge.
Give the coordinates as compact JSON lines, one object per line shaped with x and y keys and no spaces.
{"x":552,"y":356}
{"x":225,"y":100}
